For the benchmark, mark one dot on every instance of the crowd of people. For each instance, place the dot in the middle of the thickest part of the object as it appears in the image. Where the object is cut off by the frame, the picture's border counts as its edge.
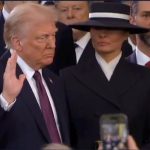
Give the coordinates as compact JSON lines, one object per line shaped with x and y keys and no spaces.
{"x":63,"y":64}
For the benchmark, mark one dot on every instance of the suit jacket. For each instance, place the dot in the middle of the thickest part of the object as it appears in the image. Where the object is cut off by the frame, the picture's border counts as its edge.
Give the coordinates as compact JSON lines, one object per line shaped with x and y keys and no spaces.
{"x":2,"y":43}
{"x":90,"y":95}
{"x":23,"y":127}
{"x":126,"y":49}
{"x":132,"y":58}
{"x":87,"y":53}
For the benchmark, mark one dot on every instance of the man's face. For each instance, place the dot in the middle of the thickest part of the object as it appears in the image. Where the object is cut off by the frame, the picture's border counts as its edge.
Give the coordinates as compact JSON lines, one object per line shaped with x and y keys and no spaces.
{"x":70,"y":12}
{"x":108,"y":42}
{"x":37,"y":45}
{"x":142,"y":18}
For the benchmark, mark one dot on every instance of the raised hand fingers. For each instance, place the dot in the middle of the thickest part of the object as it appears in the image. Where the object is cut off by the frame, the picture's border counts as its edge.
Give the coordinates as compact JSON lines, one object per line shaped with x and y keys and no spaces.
{"x":11,"y":64}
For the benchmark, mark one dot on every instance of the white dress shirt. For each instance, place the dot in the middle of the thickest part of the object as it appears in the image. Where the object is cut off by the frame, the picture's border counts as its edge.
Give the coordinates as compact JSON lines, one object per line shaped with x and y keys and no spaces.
{"x":108,"y":68}
{"x":141,"y":58}
{"x":132,"y":44}
{"x":81,"y":45}
{"x":5,"y":13}
{"x":29,"y":72}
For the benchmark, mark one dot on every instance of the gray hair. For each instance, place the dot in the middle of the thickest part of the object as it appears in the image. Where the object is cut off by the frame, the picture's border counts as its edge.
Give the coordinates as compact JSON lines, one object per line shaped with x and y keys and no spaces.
{"x":22,"y":16}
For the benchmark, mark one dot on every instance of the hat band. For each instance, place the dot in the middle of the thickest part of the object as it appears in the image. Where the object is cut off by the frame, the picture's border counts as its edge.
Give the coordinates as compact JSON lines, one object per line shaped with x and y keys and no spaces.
{"x":109,"y":15}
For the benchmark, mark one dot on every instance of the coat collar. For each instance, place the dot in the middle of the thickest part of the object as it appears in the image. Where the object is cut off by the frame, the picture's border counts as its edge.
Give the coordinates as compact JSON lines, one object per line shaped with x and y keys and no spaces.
{"x":132,"y":58}
{"x":91,"y":75}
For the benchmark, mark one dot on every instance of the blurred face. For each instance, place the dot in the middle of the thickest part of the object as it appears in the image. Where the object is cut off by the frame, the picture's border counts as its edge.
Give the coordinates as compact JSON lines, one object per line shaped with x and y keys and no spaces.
{"x":70,"y":12}
{"x":142,"y":18}
{"x":37,"y":45}
{"x":108,"y":42}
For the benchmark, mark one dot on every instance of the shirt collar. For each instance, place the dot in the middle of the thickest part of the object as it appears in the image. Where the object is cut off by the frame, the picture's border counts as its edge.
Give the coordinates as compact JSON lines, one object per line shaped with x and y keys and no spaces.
{"x":142,"y":59}
{"x":5,"y":13}
{"x":112,"y":63}
{"x":131,"y":43}
{"x":108,"y":68}
{"x":84,"y":40}
{"x":26,"y":69}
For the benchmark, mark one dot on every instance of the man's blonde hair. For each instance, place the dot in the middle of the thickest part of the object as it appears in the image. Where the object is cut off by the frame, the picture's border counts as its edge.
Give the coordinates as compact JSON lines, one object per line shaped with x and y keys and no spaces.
{"x":23,"y":16}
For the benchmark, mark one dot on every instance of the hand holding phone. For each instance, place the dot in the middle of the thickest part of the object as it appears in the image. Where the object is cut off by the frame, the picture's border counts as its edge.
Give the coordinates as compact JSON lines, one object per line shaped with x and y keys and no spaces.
{"x":114,"y":131}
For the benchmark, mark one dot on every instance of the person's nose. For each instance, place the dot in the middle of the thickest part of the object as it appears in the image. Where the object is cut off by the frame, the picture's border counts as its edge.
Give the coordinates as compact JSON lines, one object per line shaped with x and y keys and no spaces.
{"x":51,"y":43}
{"x":102,"y":33}
{"x":70,"y":14}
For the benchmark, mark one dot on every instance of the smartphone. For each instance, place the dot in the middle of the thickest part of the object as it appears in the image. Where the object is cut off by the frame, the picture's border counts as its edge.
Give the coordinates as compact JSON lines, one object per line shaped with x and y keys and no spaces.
{"x":114,"y":131}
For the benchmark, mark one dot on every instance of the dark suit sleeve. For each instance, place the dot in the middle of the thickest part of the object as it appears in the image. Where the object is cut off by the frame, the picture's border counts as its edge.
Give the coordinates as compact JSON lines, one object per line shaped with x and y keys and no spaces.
{"x":2,"y":69}
{"x":2,"y":112}
{"x":126,"y":49}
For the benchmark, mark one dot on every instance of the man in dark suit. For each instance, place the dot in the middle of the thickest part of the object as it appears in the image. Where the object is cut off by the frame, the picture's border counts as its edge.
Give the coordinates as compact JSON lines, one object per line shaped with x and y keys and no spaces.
{"x":129,"y":45}
{"x":70,"y":12}
{"x":140,"y":11}
{"x":107,"y":83}
{"x":33,"y":112}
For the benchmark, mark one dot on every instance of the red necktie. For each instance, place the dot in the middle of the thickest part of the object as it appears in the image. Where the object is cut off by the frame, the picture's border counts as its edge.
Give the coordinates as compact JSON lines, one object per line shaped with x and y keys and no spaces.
{"x":147,"y":64}
{"x":46,"y":109}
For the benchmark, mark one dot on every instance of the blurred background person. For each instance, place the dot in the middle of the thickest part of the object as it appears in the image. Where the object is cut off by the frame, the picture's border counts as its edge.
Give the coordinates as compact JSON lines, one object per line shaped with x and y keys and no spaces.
{"x":129,"y":45}
{"x":70,"y":12}
{"x":140,"y":11}
{"x":4,"y":13}
{"x":64,"y":51}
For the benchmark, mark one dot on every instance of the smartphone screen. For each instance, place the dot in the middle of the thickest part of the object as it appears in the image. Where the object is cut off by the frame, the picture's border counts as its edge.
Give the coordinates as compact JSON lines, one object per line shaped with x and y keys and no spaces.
{"x":113,"y":131}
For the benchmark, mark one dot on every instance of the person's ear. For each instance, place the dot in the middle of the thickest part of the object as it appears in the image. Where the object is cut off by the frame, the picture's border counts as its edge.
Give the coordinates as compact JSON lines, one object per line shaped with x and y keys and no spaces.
{"x":132,"y":20}
{"x":16,"y":43}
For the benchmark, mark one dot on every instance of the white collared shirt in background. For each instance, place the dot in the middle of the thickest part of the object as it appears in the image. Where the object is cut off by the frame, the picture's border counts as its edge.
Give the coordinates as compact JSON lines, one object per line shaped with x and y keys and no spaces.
{"x":132,"y":44}
{"x":5,"y":13}
{"x":141,"y":58}
{"x":81,"y":45}
{"x":108,"y":68}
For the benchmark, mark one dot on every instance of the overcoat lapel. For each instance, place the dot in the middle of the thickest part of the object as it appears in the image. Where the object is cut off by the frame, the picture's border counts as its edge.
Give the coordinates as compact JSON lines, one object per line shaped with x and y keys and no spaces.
{"x":91,"y":75}
{"x":123,"y":78}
